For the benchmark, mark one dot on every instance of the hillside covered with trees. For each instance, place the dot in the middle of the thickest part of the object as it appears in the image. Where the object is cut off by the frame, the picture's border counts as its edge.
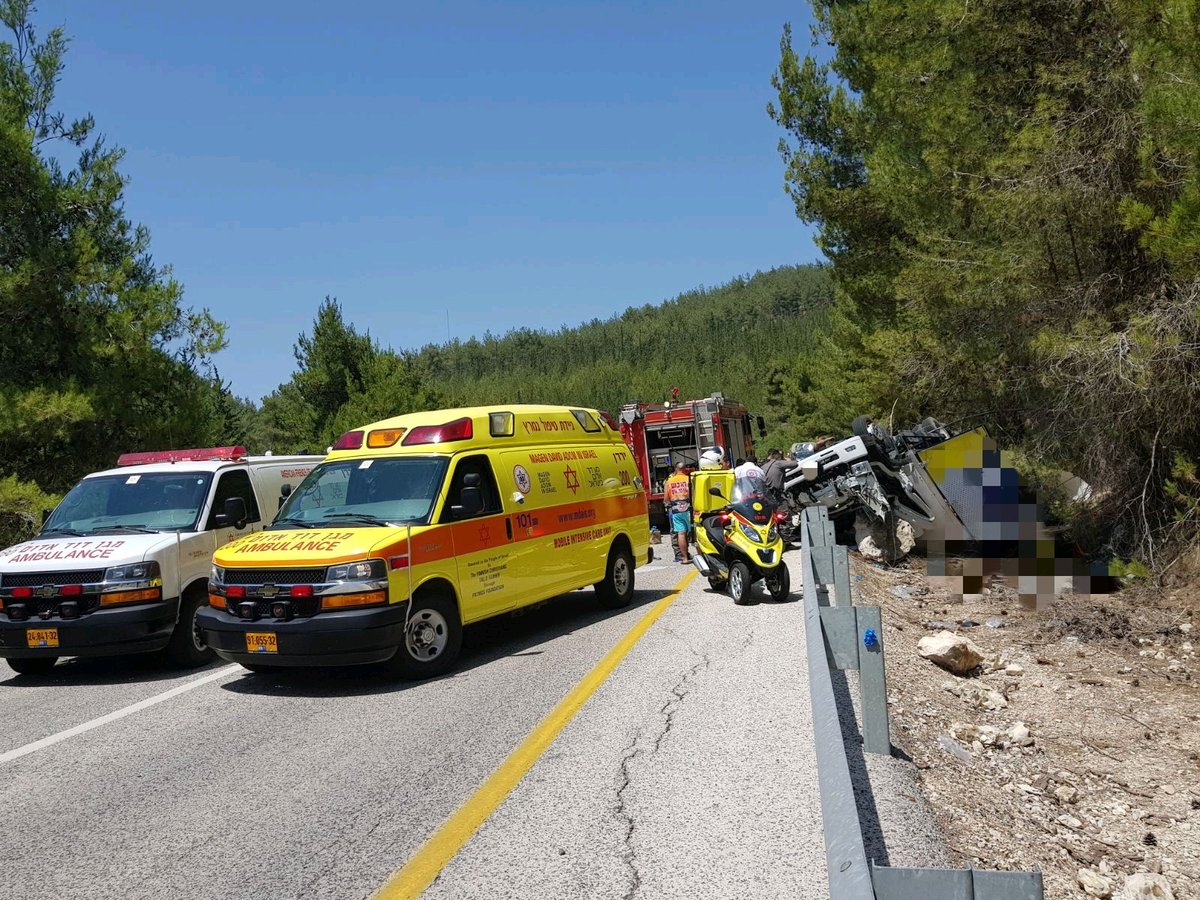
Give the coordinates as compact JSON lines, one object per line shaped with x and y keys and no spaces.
{"x":1009,"y":197}
{"x":742,"y":338}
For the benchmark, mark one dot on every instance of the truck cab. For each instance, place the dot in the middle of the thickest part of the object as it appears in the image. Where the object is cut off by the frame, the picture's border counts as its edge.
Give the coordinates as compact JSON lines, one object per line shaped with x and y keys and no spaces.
{"x":122,"y":564}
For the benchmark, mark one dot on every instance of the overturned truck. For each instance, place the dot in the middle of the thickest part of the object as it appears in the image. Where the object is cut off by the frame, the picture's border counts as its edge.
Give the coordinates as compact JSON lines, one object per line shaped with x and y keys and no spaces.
{"x":884,"y":492}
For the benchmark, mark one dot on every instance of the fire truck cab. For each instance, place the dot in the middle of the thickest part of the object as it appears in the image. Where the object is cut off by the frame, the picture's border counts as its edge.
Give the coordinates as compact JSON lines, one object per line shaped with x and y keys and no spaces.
{"x":663,"y":434}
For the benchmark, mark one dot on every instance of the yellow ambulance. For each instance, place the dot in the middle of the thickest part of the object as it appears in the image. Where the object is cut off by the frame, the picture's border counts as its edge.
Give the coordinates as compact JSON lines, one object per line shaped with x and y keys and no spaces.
{"x":469,"y":512}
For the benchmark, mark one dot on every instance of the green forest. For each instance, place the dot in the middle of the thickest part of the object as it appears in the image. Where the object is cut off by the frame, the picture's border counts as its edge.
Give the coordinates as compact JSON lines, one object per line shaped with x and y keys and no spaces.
{"x":1007,"y":196}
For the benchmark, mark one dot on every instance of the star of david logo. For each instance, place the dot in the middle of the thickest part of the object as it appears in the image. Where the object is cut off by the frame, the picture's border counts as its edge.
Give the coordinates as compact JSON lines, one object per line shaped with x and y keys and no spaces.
{"x":572,"y":479}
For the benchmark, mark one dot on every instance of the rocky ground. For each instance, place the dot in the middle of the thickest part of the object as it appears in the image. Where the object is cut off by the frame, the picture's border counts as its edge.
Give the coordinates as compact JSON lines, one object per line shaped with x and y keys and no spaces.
{"x":1074,"y":747}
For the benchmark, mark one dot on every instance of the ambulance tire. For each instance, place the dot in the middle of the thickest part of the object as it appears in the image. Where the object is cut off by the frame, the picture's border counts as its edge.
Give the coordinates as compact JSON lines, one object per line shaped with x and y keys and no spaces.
{"x":616,"y":590}
{"x":187,"y":649}
{"x":432,"y":642}
{"x":40,"y":665}
{"x":739,"y":583}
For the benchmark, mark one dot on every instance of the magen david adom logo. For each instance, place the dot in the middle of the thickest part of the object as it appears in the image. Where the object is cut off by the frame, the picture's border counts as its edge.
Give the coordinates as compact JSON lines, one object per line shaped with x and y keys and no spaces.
{"x":522,"y":479}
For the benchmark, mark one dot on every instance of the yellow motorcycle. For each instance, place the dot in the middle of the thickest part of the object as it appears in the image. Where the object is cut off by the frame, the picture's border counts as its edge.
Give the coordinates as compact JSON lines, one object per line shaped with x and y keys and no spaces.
{"x":737,"y":536}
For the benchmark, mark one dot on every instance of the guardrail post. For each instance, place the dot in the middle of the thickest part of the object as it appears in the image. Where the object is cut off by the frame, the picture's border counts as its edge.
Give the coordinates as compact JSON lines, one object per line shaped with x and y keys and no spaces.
{"x":872,"y":680}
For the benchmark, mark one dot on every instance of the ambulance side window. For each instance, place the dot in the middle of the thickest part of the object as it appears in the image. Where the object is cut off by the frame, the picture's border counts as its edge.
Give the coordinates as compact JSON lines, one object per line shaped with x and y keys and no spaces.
{"x":233,"y":484}
{"x":480,"y":466}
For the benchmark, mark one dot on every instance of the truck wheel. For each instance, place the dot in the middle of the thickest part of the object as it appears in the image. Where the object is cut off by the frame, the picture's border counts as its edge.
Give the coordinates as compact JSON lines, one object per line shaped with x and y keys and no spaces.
{"x":860,"y":426}
{"x":739,"y":583}
{"x":187,"y":648}
{"x":779,"y":583}
{"x":40,"y":665}
{"x":432,"y":639}
{"x":616,"y":590}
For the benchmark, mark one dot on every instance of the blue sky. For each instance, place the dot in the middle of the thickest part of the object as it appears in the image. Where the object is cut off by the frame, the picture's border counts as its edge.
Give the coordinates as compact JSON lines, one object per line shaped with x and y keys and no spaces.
{"x":511,"y":164}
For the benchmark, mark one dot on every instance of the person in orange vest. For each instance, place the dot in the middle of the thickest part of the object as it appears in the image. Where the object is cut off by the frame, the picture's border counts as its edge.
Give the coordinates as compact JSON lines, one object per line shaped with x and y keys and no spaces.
{"x":678,"y":494}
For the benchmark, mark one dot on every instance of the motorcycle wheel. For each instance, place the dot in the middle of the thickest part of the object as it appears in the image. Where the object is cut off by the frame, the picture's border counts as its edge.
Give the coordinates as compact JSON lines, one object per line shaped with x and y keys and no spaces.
{"x":739,"y":583}
{"x":779,"y":583}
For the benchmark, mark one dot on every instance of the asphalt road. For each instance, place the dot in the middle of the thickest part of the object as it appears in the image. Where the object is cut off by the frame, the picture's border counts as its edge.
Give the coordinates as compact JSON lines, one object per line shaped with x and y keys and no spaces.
{"x":689,"y":773}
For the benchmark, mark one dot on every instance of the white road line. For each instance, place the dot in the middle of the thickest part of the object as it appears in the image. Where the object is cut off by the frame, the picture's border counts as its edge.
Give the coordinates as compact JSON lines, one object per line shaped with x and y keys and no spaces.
{"x":119,"y":714}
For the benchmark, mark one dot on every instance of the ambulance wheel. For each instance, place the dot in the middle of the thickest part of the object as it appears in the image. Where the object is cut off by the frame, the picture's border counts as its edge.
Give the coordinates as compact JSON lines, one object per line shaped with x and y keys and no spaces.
{"x":40,"y":665}
{"x":187,"y":648}
{"x":432,"y":639}
{"x":779,"y":583}
{"x":616,"y":590}
{"x":739,"y":583}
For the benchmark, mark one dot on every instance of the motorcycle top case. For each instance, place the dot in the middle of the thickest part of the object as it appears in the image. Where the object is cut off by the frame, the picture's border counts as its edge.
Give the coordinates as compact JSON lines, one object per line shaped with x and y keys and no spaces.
{"x":704,"y":502}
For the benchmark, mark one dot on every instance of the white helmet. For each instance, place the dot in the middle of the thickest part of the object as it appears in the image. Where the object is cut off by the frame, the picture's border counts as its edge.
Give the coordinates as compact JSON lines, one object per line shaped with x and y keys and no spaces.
{"x":712,"y":459}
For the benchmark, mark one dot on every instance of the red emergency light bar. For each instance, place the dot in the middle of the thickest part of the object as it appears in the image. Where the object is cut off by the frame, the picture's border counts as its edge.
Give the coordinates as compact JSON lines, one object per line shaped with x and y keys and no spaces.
{"x":458,"y":430}
{"x":173,"y":456}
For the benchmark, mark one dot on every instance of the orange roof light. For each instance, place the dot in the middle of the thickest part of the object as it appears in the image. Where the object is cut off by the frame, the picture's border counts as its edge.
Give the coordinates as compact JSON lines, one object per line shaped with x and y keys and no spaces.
{"x":384,"y":437}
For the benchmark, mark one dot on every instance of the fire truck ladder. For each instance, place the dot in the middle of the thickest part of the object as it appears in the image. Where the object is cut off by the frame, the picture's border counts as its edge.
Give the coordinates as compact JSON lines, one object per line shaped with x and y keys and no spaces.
{"x":705,"y":431}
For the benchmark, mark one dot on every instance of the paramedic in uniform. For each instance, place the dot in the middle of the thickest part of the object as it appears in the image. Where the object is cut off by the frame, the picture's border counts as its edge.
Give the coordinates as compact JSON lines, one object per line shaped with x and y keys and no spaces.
{"x":679,"y":502}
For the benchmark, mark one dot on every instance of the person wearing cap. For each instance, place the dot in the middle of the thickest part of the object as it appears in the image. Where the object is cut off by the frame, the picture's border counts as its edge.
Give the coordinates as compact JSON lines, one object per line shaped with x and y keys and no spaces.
{"x":678,"y":494}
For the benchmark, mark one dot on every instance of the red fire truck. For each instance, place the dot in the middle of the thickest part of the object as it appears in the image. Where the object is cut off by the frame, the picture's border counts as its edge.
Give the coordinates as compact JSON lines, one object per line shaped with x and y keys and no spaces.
{"x":662,"y":434}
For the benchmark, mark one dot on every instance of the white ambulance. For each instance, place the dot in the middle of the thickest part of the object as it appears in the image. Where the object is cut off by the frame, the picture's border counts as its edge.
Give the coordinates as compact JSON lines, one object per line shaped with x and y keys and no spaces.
{"x":122,"y":565}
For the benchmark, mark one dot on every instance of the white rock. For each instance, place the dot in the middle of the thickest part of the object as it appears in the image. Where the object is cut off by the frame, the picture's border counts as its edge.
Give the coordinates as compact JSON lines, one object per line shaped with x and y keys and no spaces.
{"x":1160,"y":655}
{"x":1013,"y":669}
{"x":1144,"y":886}
{"x":1094,"y":884}
{"x":1018,"y":735}
{"x":951,"y":651}
{"x":1069,"y":821}
{"x":1186,"y":647}
{"x":1186,"y":627}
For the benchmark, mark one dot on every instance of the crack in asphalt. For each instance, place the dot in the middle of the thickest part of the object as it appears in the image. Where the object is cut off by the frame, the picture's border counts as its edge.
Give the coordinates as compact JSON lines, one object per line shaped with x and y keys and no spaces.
{"x":634,"y":749}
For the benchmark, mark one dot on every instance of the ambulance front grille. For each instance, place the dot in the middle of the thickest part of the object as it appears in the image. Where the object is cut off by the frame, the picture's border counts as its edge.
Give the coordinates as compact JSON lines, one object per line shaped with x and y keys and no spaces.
{"x":274,"y":576}
{"x":37,"y":579}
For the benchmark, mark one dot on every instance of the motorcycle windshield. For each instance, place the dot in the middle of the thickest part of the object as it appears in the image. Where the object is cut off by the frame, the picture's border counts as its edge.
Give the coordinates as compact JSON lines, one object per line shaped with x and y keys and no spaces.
{"x":749,"y":497}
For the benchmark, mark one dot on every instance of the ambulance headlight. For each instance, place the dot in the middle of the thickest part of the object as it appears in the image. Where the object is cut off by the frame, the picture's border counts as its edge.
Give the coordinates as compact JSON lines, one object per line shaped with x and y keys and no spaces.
{"x":217,"y":574}
{"x":366,"y":570}
{"x":750,"y":533}
{"x":143,"y":571}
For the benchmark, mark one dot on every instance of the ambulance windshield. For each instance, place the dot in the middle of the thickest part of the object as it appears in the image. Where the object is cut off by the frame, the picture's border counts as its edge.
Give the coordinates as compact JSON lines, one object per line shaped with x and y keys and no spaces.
{"x":150,"y":501}
{"x":365,"y":492}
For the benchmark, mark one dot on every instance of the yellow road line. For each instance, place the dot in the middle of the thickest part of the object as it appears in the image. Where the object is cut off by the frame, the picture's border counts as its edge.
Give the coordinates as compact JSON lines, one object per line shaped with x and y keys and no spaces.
{"x":420,"y":871}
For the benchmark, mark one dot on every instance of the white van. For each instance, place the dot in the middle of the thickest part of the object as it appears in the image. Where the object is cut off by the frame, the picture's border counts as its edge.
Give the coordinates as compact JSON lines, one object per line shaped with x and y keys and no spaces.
{"x":122,"y":565}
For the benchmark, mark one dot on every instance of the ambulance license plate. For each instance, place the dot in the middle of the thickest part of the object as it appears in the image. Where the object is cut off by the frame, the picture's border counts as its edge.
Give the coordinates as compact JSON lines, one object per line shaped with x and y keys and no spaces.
{"x":261,"y":642}
{"x":42,"y":637}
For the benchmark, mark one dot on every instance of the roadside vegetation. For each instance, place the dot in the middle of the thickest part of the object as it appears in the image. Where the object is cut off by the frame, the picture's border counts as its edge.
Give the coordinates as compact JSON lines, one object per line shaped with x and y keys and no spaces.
{"x":1009,"y":197}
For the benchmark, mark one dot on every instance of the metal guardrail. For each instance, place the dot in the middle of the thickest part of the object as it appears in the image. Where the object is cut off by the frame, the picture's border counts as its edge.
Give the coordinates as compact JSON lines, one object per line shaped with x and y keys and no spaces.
{"x":840,"y":635}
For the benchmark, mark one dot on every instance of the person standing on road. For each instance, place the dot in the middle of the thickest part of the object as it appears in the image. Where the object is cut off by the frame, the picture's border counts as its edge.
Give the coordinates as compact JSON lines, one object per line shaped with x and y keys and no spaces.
{"x":678,"y":492}
{"x":749,"y":468}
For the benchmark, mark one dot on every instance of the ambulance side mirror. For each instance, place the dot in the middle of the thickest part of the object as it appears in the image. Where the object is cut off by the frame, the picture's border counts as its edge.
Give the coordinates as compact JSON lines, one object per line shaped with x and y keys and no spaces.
{"x":234,"y":514}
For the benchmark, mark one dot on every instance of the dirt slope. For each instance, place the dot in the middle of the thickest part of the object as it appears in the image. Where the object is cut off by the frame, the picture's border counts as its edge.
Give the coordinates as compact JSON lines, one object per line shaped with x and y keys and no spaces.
{"x":1109,"y":693}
